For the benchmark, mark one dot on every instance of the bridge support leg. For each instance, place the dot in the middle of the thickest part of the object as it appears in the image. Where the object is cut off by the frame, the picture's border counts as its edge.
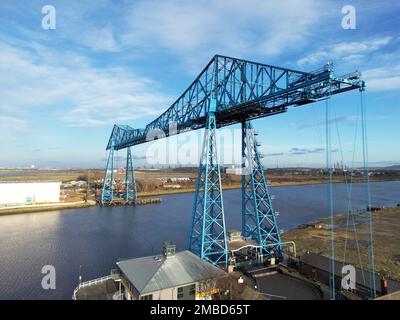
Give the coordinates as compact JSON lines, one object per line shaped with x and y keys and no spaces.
{"x":208,"y":234}
{"x":106,"y":196}
{"x":130,"y":182}
{"x":258,"y":216}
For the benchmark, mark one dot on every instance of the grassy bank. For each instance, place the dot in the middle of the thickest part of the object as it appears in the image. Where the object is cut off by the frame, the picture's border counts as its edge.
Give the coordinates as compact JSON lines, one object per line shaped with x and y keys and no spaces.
{"x":160,"y":192}
{"x":386,"y":237}
{"x":176,"y":191}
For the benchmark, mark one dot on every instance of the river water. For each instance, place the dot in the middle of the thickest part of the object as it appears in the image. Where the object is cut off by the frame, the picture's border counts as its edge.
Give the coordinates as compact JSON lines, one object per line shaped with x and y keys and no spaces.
{"x":95,"y":238}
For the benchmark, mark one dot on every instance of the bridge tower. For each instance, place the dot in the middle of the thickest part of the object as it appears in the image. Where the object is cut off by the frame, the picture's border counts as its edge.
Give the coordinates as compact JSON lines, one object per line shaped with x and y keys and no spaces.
{"x":107,"y":190}
{"x":208,"y":234}
{"x":130,"y":194}
{"x":258,"y":216}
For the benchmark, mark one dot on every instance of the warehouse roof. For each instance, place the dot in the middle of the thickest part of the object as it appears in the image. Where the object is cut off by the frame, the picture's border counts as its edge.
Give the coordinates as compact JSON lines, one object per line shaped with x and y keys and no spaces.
{"x":154,"y":273}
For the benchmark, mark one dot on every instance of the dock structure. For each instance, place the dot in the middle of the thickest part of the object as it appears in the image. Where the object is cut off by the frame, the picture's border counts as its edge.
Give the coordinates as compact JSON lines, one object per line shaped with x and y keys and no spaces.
{"x":137,"y":202}
{"x":230,"y":91}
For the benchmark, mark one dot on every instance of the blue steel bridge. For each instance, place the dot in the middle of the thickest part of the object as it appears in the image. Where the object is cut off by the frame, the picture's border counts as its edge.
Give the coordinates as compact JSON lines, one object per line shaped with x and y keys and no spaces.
{"x":226,"y":92}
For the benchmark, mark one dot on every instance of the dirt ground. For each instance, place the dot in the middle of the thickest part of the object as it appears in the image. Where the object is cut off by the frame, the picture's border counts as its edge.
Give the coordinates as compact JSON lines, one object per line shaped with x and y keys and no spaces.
{"x":386,"y":239}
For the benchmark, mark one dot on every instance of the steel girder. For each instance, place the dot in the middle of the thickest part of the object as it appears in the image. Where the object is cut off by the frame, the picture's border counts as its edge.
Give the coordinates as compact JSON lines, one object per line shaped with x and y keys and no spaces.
{"x":243,"y":90}
{"x":130,"y":182}
{"x":208,"y":234}
{"x":107,"y":190}
{"x":258,"y":216}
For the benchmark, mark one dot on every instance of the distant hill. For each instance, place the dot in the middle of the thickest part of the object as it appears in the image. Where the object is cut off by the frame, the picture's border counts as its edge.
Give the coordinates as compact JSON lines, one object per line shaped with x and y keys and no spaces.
{"x":393,"y":167}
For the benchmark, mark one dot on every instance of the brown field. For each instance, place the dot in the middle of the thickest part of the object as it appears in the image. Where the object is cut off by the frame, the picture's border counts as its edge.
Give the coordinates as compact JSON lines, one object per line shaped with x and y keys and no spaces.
{"x":149,"y":182}
{"x":386,"y":237}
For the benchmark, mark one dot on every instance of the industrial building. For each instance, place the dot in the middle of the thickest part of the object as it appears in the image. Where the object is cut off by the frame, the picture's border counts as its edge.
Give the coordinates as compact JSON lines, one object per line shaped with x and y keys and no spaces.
{"x":316,"y":267}
{"x":18,"y":193}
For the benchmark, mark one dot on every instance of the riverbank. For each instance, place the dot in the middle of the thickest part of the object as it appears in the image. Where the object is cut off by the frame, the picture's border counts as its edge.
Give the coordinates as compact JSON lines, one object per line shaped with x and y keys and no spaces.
{"x":315,"y":237}
{"x":178,"y":191}
{"x":239,"y":186}
{"x":144,"y":195}
{"x":46,"y":207}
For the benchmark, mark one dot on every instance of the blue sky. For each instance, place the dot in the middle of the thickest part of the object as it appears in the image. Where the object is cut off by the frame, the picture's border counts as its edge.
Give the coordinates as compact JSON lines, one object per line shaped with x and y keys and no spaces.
{"x":126,"y":61}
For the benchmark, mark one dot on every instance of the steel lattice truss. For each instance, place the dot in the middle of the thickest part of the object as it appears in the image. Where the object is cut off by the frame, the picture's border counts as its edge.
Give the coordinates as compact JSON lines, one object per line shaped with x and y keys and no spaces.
{"x":208,"y":235}
{"x":243,"y":90}
{"x":108,"y":180}
{"x":258,"y":216}
{"x":130,"y":183}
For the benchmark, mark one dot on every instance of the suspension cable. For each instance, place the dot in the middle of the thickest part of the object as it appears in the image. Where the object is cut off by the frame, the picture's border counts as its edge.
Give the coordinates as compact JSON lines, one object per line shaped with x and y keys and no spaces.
{"x":330,"y":199}
{"x":349,"y":188}
{"x":368,"y":191}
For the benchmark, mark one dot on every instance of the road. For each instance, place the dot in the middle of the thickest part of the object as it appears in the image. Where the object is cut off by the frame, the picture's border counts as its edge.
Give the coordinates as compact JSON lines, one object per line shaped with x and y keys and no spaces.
{"x":284,"y":286}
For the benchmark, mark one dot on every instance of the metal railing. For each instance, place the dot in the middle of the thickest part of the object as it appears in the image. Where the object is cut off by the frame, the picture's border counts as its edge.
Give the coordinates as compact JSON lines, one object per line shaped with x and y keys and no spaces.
{"x":270,"y":296}
{"x":90,"y":283}
{"x":118,"y":296}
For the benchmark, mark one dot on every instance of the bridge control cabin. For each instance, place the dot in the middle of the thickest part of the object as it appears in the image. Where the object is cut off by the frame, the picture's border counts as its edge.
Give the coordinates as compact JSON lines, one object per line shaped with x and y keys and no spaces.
{"x":244,"y":254}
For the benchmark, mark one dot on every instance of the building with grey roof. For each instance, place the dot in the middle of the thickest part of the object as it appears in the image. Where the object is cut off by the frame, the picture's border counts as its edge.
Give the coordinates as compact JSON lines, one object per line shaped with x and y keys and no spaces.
{"x":171,"y":276}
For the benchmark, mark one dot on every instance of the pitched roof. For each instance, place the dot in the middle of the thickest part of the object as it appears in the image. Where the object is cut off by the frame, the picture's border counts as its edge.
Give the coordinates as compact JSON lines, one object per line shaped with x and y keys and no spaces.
{"x":149,"y":274}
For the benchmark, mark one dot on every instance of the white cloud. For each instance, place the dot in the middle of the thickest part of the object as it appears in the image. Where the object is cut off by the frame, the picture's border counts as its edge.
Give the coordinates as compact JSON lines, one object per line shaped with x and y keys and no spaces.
{"x":100,"y":39}
{"x":67,"y":85}
{"x":219,"y":26}
{"x":347,"y":51}
{"x":12,"y":124}
{"x":194,"y":31}
{"x":384,"y":78}
{"x":386,"y":72}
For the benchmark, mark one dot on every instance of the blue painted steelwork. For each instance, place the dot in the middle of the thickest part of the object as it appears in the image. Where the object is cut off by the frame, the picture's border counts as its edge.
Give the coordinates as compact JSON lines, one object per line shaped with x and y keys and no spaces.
{"x":243,"y":90}
{"x":130,"y":182}
{"x":230,"y":91}
{"x":208,"y":235}
{"x":106,"y":196}
{"x":258,"y":216}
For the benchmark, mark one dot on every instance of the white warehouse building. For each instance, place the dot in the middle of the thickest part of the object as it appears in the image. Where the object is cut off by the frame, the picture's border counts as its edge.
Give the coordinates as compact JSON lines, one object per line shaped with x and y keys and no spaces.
{"x":29,"y":192}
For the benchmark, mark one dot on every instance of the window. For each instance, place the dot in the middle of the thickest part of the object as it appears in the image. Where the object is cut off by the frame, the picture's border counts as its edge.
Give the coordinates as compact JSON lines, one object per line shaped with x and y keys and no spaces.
{"x":147,"y":297}
{"x":187,"y":292}
{"x":180,"y":293}
{"x":192,"y":290}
